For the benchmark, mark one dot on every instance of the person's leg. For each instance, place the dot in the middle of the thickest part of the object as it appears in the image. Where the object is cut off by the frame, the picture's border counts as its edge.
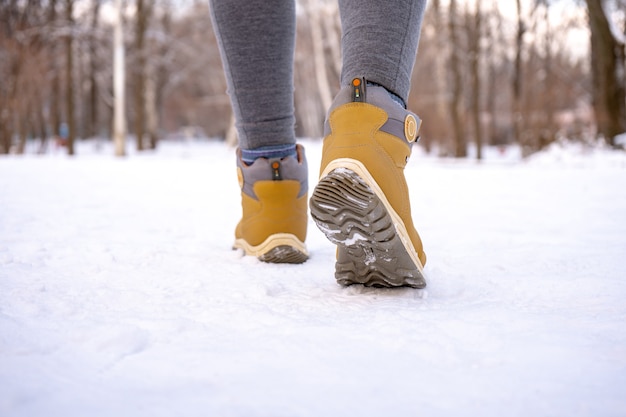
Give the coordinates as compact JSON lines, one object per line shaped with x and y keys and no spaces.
{"x":361,"y":202}
{"x":380,"y":41}
{"x":256,"y":40}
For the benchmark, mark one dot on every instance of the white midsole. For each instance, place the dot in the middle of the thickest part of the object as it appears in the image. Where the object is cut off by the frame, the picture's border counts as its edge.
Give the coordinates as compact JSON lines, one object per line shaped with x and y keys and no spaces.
{"x":273,"y":241}
{"x":358,"y":168}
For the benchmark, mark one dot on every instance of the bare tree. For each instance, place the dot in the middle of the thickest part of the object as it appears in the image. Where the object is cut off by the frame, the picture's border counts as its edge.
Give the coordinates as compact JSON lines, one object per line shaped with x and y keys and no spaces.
{"x":607,"y":67}
{"x":55,"y":69}
{"x":15,"y":20}
{"x":191,"y":82}
{"x":546,"y":121}
{"x":475,"y":53}
{"x":158,"y":67}
{"x":143,"y":12}
{"x":440,"y":70}
{"x":516,"y":112}
{"x":494,"y":58}
{"x":152,"y":118}
{"x":92,"y":123}
{"x":119,"y":107}
{"x":319,"y":55}
{"x":317,"y":64}
{"x":456,"y":81}
{"x":69,"y":77}
{"x":469,"y":67}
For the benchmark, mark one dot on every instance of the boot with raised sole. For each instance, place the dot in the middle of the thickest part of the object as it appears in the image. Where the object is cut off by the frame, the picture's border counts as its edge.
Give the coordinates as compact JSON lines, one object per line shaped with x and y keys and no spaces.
{"x":361,"y":202}
{"x":274,"y":203}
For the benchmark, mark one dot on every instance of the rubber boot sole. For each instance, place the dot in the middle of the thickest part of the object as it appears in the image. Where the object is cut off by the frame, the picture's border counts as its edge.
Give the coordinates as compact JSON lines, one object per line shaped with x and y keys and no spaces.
{"x":373,"y":246}
{"x":278,"y":248}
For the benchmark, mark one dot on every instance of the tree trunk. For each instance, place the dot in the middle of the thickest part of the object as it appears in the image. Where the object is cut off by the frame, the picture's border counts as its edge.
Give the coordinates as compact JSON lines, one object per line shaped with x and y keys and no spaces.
{"x":5,"y":137}
{"x":55,"y":92}
{"x":441,"y":104}
{"x":456,"y":103}
{"x":152,"y":117}
{"x":143,"y":11}
{"x":494,"y":35}
{"x":93,"y":127}
{"x":319,"y":56}
{"x":7,"y":118}
{"x":607,"y":67}
{"x":69,"y":79}
{"x":160,"y":78}
{"x":516,"y":111}
{"x":549,"y":128}
{"x":475,"y":31}
{"x":119,"y":123}
{"x":41,"y":126}
{"x":11,"y":112}
{"x":22,"y":124}
{"x":332,"y":30}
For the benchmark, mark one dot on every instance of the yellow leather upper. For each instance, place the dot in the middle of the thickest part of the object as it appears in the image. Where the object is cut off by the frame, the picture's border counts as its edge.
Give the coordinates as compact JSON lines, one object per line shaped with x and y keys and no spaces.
{"x":355,"y":134}
{"x":277,"y":210}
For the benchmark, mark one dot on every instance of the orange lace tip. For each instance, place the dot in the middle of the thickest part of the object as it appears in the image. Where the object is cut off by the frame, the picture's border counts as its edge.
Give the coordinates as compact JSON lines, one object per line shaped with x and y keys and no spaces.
{"x":358,"y":90}
{"x":276,"y":170}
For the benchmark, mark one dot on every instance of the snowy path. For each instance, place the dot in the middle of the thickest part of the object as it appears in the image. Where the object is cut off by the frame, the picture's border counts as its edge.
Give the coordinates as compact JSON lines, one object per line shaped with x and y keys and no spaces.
{"x":120,"y":296}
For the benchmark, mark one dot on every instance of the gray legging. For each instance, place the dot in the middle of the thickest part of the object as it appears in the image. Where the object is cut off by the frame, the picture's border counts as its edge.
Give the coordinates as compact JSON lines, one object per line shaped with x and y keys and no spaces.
{"x":257,"y":42}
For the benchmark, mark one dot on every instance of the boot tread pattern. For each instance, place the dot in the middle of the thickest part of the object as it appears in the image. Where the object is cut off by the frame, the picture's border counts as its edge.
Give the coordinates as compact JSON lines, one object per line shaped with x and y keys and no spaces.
{"x":284,"y":254}
{"x":370,"y":250}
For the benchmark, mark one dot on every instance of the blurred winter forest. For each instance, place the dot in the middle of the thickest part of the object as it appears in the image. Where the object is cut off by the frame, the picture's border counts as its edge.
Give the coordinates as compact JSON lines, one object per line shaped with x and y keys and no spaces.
{"x":488,"y":72}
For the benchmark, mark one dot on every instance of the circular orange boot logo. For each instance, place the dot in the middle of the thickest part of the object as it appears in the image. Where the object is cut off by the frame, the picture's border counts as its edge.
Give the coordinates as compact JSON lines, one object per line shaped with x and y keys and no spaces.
{"x":410,"y":128}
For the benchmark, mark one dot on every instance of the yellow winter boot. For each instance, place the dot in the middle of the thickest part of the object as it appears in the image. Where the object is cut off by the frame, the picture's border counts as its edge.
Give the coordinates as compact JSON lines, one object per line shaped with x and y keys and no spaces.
{"x":361,"y":202}
{"x":274,"y":204}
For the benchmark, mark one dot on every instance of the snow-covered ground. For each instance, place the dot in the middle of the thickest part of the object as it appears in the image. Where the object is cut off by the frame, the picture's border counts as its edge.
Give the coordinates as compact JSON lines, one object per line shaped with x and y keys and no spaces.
{"x":120,"y":294}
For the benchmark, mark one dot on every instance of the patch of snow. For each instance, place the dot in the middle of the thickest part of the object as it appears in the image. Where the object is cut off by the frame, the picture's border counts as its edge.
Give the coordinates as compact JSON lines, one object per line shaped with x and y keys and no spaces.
{"x":354,"y":239}
{"x":120,"y":294}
